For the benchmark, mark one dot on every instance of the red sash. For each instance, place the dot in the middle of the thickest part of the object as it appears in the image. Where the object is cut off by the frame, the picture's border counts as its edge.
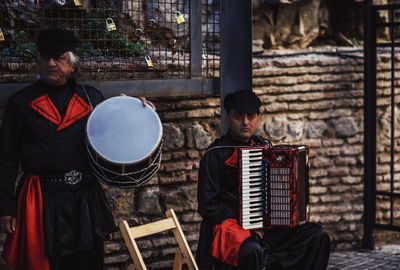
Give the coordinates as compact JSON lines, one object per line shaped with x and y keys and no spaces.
{"x":228,"y":237}
{"x":24,"y":249}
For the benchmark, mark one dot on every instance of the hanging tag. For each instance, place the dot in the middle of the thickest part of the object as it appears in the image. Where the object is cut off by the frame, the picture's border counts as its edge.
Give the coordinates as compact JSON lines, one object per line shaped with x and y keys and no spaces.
{"x":2,"y":38}
{"x":27,"y":54}
{"x":78,"y":3}
{"x":139,"y":31}
{"x":149,"y":62}
{"x":179,"y":17}
{"x":173,"y":43}
{"x":204,"y":52}
{"x":110,"y":25}
{"x":60,"y":2}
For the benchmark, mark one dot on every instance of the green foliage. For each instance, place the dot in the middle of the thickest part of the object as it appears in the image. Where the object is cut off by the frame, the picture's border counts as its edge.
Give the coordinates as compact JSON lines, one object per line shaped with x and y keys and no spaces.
{"x":97,"y":40}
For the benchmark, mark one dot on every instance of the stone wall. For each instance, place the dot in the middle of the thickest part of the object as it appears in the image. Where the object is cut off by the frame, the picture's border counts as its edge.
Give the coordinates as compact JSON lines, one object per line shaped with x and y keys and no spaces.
{"x":310,"y":98}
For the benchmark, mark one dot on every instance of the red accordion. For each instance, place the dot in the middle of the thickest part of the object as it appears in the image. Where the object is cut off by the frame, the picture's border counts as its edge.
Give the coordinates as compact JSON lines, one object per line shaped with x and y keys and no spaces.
{"x":273,"y":186}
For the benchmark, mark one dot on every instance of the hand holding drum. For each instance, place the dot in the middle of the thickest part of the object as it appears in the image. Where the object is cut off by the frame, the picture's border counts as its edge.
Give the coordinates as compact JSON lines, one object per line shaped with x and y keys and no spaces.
{"x":124,"y":141}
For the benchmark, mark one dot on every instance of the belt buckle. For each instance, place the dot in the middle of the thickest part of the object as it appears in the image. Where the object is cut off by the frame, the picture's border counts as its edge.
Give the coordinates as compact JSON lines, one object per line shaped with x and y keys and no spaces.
{"x":72,"y":177}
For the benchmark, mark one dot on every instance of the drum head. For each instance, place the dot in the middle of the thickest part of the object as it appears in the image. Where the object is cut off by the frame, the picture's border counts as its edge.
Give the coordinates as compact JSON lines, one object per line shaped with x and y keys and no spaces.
{"x":122,"y":131}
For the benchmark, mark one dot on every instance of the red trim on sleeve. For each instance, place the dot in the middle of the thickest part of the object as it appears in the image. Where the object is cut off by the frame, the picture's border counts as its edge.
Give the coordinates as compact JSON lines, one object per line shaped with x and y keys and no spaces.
{"x":228,"y":237}
{"x":24,"y":249}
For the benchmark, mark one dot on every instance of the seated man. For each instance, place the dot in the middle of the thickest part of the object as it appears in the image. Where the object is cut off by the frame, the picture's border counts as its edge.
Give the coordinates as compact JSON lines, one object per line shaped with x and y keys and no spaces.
{"x":222,"y":242}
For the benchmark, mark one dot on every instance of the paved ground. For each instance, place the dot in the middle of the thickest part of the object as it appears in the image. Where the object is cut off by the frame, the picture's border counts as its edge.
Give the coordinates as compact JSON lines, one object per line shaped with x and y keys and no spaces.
{"x":387,"y":257}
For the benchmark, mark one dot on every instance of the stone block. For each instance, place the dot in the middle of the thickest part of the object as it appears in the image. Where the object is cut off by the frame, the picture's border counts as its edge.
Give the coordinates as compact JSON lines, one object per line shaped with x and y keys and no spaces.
{"x":276,"y":129}
{"x":346,"y":161}
{"x":295,"y":129}
{"x":147,"y":201}
{"x":180,"y":198}
{"x":329,"y":142}
{"x":316,"y":129}
{"x":351,"y":180}
{"x":122,"y":258}
{"x":318,"y":173}
{"x":344,"y":126}
{"x":164,"y":241}
{"x":353,"y":150}
{"x":321,"y":162}
{"x":173,"y":137}
{"x":318,"y":190}
{"x":338,"y":171}
{"x":202,"y":138}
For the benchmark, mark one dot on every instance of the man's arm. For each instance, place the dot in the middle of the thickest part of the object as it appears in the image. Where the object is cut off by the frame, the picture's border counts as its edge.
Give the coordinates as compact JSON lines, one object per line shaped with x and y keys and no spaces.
{"x":210,"y":205}
{"x":9,"y":164}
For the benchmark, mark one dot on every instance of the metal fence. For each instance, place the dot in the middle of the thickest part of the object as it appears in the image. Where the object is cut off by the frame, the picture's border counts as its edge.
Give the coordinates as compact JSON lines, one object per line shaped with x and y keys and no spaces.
{"x":119,"y":39}
{"x":381,"y":122}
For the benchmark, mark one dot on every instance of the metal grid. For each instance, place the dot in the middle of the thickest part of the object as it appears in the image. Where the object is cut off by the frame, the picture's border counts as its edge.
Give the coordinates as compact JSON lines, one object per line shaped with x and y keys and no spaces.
{"x":120,"y":39}
{"x":210,"y":14}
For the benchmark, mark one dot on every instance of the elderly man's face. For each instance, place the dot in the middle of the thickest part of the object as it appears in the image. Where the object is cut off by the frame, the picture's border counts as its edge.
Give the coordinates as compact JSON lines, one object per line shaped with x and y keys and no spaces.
{"x":55,"y":71}
{"x":242,"y":126}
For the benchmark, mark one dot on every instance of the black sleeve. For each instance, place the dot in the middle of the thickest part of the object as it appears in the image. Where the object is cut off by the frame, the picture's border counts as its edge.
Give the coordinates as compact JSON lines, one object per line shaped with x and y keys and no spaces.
{"x":210,"y":205}
{"x":10,"y":135}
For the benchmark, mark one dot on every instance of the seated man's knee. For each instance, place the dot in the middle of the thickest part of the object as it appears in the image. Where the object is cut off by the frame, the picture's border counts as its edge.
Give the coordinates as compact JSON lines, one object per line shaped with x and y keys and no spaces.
{"x":251,"y":247}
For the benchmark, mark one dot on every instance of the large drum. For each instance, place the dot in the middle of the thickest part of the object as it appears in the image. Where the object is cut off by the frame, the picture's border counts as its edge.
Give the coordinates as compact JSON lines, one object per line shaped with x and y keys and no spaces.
{"x":124,"y":141}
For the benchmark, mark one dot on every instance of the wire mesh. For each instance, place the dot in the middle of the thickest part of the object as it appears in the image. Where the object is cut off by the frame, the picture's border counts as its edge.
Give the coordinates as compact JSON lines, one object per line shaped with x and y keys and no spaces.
{"x":210,"y":14}
{"x":119,"y":39}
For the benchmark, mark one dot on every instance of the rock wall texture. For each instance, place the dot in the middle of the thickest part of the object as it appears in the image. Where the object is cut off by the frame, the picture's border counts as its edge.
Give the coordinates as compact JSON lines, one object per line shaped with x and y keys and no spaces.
{"x":310,"y":98}
{"x":313,"y":99}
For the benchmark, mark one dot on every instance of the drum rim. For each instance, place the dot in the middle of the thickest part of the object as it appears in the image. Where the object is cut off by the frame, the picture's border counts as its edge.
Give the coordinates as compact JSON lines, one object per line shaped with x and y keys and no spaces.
{"x":156,"y":146}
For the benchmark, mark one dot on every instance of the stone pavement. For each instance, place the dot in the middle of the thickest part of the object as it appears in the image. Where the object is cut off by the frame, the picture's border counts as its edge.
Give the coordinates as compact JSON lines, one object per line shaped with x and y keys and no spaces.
{"x":387,"y":257}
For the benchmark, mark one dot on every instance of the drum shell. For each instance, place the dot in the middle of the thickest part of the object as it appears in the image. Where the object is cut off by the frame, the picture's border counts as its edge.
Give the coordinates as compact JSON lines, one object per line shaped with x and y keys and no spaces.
{"x":122,"y":175}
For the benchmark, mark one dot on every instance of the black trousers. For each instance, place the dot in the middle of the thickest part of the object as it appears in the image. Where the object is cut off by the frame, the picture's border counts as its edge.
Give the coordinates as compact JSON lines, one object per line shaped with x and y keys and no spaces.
{"x":306,"y":247}
{"x":87,"y":260}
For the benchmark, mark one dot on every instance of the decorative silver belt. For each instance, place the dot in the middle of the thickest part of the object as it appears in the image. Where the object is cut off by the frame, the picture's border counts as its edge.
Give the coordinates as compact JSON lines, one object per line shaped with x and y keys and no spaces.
{"x":72,"y":177}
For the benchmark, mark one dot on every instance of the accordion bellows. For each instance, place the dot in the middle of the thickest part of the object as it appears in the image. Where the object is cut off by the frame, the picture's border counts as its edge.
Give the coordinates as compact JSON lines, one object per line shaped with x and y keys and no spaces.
{"x":273,"y":186}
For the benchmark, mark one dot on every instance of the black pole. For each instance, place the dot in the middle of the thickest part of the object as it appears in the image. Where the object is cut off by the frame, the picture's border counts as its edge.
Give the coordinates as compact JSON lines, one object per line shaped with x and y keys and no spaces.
{"x":195,"y":39}
{"x":236,"y":47}
{"x":369,"y":124}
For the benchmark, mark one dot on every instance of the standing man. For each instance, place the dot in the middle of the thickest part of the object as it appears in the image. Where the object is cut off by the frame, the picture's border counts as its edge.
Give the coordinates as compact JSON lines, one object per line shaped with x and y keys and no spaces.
{"x":57,"y":216}
{"x":222,"y":242}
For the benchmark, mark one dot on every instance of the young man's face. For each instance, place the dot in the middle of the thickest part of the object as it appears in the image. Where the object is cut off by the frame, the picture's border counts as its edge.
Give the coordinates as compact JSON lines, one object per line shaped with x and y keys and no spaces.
{"x":242,"y":126}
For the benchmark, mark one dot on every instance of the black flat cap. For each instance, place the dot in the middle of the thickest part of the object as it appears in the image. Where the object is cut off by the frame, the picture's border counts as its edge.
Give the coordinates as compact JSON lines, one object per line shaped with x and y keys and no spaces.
{"x":242,"y":101}
{"x":54,"y":42}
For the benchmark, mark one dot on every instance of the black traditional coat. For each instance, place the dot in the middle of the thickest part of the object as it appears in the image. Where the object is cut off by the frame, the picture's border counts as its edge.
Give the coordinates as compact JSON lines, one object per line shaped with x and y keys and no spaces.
{"x":303,"y":247}
{"x":218,"y":189}
{"x":43,"y":133}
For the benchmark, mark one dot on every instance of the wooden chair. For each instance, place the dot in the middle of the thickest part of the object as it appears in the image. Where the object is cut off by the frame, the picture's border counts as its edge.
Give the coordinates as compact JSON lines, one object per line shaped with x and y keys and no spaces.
{"x":170,"y":223}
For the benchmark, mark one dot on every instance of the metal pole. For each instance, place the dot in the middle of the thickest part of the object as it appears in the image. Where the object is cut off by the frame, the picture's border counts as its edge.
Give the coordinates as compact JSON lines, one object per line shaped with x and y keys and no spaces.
{"x":236,"y":48}
{"x":195,"y":39}
{"x":369,"y":124}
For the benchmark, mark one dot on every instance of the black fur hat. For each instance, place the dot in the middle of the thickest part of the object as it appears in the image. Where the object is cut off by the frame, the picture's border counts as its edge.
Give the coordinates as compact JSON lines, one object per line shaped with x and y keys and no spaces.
{"x":54,"y":42}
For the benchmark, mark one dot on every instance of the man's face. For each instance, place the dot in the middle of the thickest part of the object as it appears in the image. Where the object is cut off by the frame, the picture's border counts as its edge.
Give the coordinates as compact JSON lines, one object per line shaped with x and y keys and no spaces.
{"x":242,"y":126}
{"x":55,"y":71}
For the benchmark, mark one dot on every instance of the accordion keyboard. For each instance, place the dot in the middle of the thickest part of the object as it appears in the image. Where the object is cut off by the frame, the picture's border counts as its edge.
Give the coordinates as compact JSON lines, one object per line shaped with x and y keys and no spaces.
{"x":253,"y":188}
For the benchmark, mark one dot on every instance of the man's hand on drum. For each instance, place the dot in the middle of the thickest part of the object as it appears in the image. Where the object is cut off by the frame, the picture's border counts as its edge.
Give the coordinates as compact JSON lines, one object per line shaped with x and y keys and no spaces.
{"x":8,"y":224}
{"x":145,"y":102}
